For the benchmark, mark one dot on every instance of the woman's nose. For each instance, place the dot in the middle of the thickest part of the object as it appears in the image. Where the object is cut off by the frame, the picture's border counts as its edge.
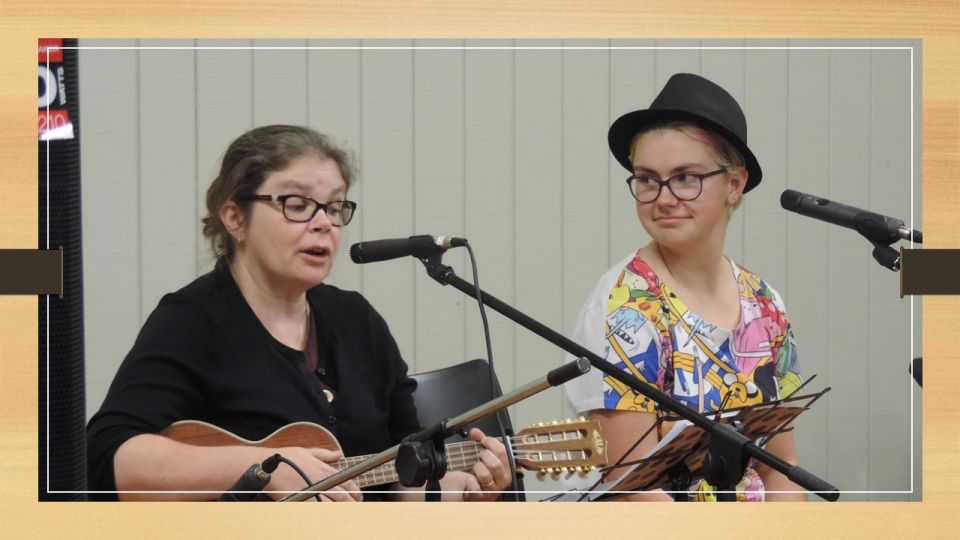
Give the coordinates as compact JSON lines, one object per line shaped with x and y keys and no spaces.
{"x":666,"y":197}
{"x":321,"y":220}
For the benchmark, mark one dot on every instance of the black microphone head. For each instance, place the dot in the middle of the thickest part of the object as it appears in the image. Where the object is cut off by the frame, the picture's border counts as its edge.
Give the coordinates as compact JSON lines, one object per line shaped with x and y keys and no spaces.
{"x":356,"y":253}
{"x":790,"y":199}
{"x":419,"y":246}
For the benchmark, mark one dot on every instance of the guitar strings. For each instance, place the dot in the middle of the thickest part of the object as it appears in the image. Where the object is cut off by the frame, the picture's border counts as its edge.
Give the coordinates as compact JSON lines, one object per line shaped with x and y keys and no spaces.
{"x":461,"y":456}
{"x":461,"y":447}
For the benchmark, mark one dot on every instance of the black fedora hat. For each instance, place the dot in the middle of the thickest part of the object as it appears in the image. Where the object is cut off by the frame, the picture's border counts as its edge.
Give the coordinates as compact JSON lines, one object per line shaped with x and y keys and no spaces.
{"x":694,"y":99}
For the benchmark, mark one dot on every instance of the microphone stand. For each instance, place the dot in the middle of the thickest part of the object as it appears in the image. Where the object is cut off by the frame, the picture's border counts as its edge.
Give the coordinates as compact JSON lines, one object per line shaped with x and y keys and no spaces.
{"x":729,"y":449}
{"x":415,"y":456}
{"x":877,"y":230}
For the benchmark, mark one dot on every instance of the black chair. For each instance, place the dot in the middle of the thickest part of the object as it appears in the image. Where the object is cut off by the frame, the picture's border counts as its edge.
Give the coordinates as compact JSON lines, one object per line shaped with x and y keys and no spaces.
{"x":451,"y":391}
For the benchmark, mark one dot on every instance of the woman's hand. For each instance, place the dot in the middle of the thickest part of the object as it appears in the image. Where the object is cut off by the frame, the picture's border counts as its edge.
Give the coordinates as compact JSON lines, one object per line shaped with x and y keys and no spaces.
{"x":491,"y":473}
{"x":316,"y":463}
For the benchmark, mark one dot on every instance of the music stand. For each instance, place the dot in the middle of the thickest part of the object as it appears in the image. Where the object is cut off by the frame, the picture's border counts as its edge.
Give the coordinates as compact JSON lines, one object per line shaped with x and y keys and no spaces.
{"x":679,"y":457}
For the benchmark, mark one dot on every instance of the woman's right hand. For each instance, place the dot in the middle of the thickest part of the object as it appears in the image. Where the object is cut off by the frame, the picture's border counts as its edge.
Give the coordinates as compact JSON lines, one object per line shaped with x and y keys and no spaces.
{"x":317,"y":464}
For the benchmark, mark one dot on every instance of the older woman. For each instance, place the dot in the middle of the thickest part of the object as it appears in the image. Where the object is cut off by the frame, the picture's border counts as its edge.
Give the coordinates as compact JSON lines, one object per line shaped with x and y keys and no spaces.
{"x":677,"y":313}
{"x":260,"y":342}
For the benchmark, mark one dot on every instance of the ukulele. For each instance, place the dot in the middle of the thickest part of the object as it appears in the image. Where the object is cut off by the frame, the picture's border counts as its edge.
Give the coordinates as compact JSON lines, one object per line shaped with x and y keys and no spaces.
{"x":572,"y":446}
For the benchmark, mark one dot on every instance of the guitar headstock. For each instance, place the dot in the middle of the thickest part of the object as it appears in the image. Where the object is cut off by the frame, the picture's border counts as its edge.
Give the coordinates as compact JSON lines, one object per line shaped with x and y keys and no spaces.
{"x":571,"y":446}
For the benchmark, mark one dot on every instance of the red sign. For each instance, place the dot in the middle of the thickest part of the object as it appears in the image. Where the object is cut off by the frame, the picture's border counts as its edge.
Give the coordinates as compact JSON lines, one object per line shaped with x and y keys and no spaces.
{"x":54,"y":125}
{"x":49,"y":50}
{"x":53,"y":120}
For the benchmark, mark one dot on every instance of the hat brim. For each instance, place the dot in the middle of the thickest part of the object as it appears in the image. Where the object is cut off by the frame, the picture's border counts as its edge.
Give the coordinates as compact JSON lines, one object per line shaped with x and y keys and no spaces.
{"x":623,"y":130}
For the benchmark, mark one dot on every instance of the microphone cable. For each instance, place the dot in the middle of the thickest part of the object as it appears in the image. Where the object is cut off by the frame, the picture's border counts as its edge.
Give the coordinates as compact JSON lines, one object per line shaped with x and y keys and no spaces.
{"x":302,"y":474}
{"x":270,"y":465}
{"x":493,"y":383}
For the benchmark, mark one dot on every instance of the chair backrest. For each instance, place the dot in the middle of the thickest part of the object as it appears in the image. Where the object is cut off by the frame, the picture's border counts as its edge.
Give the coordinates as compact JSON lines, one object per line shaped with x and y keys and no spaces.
{"x":451,"y":391}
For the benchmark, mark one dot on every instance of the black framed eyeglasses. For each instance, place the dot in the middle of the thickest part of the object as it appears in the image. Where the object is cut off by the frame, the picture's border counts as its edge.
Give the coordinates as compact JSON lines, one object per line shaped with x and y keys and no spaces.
{"x":302,"y":209}
{"x":684,"y":186}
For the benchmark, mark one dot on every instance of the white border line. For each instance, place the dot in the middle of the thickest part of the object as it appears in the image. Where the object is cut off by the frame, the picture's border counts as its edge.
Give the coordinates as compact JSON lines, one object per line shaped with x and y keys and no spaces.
{"x":47,"y":246}
{"x":912,"y":228}
{"x":478,"y":48}
{"x":910,"y":48}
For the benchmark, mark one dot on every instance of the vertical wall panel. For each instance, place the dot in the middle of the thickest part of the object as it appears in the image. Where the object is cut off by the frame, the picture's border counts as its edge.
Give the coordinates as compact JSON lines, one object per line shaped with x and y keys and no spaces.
{"x":538,"y":127}
{"x":333,"y":102}
{"x":889,"y":316}
{"x":765,"y":104}
{"x":676,"y":56}
{"x":279,"y":82}
{"x":806,"y":292}
{"x":538,"y":172}
{"x":632,"y":87}
{"x":109,"y":193}
{"x":168,"y":204}
{"x":387,"y":190}
{"x":585,"y":160}
{"x":849,"y":292}
{"x":489,"y":190}
{"x":439,"y":200}
{"x":224,"y":110}
{"x":586,"y":196}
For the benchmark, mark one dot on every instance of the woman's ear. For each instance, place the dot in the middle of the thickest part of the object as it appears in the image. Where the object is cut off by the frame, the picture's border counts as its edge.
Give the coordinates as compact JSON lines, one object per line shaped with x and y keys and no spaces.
{"x":233,"y":220}
{"x":738,"y":180}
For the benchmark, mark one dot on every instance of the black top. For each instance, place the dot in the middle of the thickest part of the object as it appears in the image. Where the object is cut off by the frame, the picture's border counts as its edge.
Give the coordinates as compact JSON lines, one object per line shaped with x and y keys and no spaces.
{"x":204,"y":355}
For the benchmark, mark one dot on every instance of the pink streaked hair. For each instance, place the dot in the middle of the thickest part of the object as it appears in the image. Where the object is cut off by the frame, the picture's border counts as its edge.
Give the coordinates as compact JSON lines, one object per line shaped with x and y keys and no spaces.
{"x":725,"y":153}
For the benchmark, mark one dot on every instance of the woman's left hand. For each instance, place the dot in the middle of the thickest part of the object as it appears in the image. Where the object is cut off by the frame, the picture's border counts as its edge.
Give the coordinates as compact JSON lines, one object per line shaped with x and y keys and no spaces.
{"x":491,"y":473}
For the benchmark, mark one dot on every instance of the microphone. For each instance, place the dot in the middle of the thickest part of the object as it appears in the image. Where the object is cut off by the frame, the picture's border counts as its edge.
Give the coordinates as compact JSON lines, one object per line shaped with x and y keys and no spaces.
{"x":419,"y":246}
{"x":874,"y":227}
{"x":254,"y":479}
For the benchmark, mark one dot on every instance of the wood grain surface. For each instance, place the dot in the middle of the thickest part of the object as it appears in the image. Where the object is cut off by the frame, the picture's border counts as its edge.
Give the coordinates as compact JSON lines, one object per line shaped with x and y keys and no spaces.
{"x":937,"y":23}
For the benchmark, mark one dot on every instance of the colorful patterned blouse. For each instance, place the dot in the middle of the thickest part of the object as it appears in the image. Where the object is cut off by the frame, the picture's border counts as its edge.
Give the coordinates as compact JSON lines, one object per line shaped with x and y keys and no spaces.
{"x":634,"y":321}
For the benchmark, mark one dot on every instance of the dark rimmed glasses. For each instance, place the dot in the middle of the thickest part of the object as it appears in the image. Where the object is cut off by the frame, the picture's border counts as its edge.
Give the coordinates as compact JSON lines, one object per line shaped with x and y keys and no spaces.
{"x":684,"y":186}
{"x":302,"y":209}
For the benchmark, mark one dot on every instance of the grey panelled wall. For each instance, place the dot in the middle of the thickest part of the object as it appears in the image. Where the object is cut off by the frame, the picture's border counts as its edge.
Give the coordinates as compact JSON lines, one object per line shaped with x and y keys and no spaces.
{"x":506,"y":145}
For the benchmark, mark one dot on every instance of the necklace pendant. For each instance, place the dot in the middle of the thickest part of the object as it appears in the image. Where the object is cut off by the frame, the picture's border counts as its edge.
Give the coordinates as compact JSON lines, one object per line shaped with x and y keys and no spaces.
{"x":328,"y":394}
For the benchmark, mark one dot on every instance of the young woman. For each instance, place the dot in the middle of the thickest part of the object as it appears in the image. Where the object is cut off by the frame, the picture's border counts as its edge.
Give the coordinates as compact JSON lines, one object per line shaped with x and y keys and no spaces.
{"x":260,"y":343}
{"x":677,"y":313}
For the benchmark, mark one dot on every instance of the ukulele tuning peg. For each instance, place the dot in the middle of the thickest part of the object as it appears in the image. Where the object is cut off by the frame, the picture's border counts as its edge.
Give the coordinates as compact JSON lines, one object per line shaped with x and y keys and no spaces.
{"x":555,"y":423}
{"x":581,"y":418}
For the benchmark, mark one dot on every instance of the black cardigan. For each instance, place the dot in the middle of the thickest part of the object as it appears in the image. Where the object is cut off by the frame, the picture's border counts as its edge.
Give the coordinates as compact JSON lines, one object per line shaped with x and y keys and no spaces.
{"x":204,"y":355}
